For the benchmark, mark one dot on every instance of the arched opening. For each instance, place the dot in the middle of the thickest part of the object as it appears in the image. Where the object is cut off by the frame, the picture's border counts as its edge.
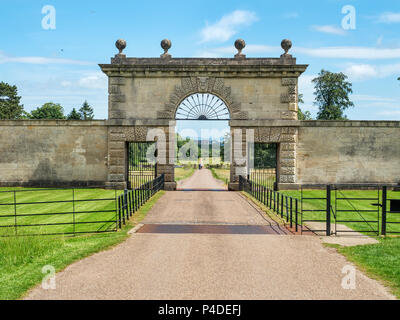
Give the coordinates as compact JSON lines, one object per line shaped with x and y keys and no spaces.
{"x":203,"y":142}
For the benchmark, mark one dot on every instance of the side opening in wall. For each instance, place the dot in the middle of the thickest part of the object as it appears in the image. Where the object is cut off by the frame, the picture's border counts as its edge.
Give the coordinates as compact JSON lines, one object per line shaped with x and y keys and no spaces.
{"x":141,"y":163}
{"x":263,"y":164}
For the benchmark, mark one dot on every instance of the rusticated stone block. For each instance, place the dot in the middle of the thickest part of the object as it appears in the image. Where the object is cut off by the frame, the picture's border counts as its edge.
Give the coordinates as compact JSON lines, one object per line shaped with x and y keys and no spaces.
{"x":118,"y":98}
{"x":116,"y":170}
{"x":113,"y":89}
{"x":288,"y":146}
{"x":130,"y":134}
{"x":116,"y":114}
{"x":117,"y":137}
{"x":288,"y":98}
{"x":289,"y":115}
{"x":289,"y":81}
{"x":287,"y":170}
{"x":120,"y":81}
{"x":117,"y":153}
{"x":116,"y":177}
{"x":116,"y":145}
{"x":288,"y":163}
{"x":287,"y":179}
{"x":288,"y":155}
{"x":288,"y":138}
{"x":275,"y":135}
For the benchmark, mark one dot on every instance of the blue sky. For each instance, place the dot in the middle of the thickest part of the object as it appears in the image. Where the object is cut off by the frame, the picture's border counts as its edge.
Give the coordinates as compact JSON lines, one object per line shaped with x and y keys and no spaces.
{"x":61,"y":65}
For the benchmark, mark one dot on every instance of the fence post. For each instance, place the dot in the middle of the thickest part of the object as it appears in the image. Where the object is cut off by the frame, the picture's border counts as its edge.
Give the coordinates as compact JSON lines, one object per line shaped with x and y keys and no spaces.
{"x":384,"y":209}
{"x":328,"y":210}
{"x":73,"y":210}
{"x":291,"y":212}
{"x":126,"y":204}
{"x":15,"y":213}
{"x":296,"y":212}
{"x":119,"y":212}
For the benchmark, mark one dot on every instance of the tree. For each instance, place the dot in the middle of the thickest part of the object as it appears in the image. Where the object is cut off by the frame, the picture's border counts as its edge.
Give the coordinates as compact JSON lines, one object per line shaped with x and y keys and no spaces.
{"x":332,"y":95}
{"x":86,"y":111}
{"x":48,"y":111}
{"x":10,"y":107}
{"x":306,"y":115}
{"x":74,"y":115}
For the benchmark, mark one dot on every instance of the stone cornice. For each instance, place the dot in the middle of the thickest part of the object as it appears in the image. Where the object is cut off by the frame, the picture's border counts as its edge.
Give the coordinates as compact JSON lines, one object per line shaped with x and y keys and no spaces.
{"x":350,"y":123}
{"x":204,"y":67}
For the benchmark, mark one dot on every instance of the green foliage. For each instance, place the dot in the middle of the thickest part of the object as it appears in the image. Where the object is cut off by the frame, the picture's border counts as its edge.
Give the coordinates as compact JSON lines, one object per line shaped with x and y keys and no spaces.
{"x":265,"y":155}
{"x":74,"y":115}
{"x":86,"y":111}
{"x":332,"y":95}
{"x":10,"y":107}
{"x":306,"y":115}
{"x":48,"y":111}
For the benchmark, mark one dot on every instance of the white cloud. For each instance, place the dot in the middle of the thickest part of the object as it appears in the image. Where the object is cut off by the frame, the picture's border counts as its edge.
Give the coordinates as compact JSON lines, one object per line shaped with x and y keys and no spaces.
{"x":227,"y":26}
{"x":94,"y":80}
{"x":389,"y":17}
{"x":330,"y":30}
{"x":368,"y":71}
{"x":4,"y":58}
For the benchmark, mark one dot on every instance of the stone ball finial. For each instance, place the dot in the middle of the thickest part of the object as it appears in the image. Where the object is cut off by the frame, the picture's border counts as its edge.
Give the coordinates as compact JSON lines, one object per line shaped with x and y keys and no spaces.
{"x":121,"y":45}
{"x":286,"y":45}
{"x":166,"y":44}
{"x":240,"y":44}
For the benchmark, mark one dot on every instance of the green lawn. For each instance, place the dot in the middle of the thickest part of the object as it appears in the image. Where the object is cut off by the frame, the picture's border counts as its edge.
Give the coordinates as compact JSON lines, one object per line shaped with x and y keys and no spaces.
{"x":222,"y":174}
{"x":184,"y":173}
{"x":380,"y":261}
{"x":22,"y":258}
{"x":342,"y":207}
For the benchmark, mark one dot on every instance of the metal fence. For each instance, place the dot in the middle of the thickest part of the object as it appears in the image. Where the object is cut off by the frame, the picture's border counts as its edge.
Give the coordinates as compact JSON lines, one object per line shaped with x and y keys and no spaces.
{"x":351,"y":209}
{"x":140,"y":169}
{"x":71,"y":211}
{"x":131,"y":200}
{"x":263,"y":176}
{"x":333,"y":209}
{"x":285,"y":206}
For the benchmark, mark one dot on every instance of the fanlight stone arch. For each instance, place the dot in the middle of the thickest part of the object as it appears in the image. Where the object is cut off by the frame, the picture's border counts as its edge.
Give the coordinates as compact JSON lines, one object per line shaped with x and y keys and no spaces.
{"x":202,"y":106}
{"x":193,"y":85}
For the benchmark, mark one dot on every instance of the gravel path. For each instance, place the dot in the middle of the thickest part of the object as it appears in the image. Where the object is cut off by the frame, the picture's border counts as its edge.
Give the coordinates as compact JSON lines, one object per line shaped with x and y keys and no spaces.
{"x":210,"y":266}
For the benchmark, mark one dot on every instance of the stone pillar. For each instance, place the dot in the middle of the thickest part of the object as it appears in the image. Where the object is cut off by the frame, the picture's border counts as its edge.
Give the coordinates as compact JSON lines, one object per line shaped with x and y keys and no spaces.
{"x":116,"y":158}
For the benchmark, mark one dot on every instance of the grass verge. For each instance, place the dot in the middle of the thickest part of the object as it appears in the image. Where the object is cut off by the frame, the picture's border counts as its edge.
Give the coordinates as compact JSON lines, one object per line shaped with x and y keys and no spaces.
{"x":379,"y":261}
{"x":22,"y":258}
{"x":272,"y":215}
{"x":221,"y":174}
{"x":183,"y":173}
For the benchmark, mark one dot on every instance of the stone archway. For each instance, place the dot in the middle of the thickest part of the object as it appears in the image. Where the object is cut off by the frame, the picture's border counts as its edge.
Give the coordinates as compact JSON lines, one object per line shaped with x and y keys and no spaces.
{"x":192,"y":85}
{"x":260,"y":93}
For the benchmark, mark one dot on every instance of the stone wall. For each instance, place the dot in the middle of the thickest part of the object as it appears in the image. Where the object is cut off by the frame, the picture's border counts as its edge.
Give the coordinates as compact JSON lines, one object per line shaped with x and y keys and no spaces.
{"x":348,"y":152}
{"x":53,"y":153}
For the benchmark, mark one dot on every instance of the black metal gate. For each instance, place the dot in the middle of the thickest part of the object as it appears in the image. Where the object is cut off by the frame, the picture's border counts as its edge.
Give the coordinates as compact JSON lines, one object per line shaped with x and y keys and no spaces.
{"x":264,"y":160}
{"x":142,"y":166}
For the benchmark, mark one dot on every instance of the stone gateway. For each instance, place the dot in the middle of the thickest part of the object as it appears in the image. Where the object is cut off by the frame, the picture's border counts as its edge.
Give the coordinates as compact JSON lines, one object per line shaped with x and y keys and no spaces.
{"x":144,"y":93}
